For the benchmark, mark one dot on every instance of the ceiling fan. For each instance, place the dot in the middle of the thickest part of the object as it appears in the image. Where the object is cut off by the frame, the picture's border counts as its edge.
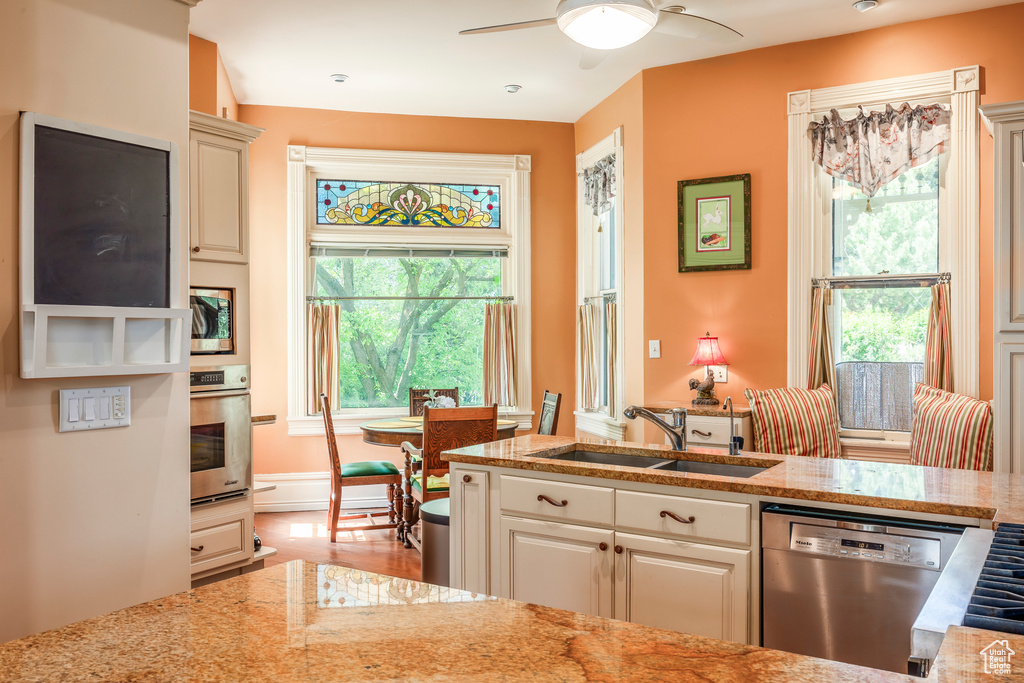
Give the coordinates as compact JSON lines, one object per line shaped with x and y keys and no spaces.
{"x":602,"y":25}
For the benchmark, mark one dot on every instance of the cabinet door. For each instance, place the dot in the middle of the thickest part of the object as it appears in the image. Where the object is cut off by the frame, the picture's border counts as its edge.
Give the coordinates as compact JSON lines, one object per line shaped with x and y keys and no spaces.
{"x":682,"y":586}
{"x":219,"y":198}
{"x":470,"y":515}
{"x":557,"y":565}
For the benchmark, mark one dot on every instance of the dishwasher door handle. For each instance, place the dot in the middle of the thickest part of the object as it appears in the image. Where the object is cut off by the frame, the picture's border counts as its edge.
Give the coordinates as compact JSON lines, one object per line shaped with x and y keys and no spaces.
{"x":854,"y":526}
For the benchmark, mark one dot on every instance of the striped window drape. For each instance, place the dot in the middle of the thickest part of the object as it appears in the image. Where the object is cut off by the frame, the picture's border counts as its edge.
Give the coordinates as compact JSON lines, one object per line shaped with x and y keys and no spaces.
{"x":587,"y":356}
{"x":323,"y":355}
{"x":500,"y":350}
{"x":938,"y":346}
{"x":611,"y":310}
{"x":821,"y":367}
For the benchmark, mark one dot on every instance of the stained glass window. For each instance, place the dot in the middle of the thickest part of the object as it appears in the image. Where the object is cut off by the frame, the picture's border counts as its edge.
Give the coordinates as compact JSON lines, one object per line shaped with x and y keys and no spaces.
{"x":385,"y":204}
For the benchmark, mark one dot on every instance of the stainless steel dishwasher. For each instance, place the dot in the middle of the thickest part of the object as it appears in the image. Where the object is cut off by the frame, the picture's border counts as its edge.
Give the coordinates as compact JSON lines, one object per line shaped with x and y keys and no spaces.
{"x":847,"y":587}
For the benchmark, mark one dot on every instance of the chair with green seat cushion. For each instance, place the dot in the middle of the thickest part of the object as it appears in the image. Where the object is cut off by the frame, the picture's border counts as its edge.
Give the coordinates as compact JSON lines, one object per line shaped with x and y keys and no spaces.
{"x":359,"y":474}
{"x":443,"y":430}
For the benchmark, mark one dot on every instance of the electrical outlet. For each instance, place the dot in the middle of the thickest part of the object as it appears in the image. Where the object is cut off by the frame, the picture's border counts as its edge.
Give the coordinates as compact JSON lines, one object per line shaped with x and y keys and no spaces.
{"x":655,"y":347}
{"x":721,"y":373}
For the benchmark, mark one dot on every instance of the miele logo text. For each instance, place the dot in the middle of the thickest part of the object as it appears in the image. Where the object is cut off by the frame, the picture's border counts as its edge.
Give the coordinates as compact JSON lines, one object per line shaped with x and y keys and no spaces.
{"x":806,"y":543}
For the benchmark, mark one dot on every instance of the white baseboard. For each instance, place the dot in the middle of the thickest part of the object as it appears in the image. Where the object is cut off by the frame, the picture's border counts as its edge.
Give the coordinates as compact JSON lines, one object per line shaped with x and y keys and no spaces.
{"x":312,"y":491}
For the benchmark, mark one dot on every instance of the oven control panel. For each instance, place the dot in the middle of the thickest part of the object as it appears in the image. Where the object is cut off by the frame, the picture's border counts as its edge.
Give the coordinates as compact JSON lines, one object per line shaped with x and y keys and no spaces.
{"x":866,"y":546}
{"x":219,"y":378}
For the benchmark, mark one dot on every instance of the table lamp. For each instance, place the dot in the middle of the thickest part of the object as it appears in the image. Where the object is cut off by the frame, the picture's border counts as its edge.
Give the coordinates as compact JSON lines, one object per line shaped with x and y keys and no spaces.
{"x":707,"y":354}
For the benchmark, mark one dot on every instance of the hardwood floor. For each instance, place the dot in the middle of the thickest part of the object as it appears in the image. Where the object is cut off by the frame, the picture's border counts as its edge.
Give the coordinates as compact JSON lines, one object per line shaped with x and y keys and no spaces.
{"x":303,"y":536}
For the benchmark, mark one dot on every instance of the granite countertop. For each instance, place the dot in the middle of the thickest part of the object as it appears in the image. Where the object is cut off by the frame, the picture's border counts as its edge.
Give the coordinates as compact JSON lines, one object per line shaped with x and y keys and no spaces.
{"x":962,"y":493}
{"x":738,"y":409}
{"x":307,"y":622}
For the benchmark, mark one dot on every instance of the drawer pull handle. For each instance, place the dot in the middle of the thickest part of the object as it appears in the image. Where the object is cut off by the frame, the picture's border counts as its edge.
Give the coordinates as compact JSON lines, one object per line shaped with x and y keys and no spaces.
{"x":666,"y":513}
{"x":197,"y":550}
{"x":552,"y":501}
{"x":706,"y":435}
{"x":466,"y":478}
{"x":618,"y":549}
{"x":603,"y":546}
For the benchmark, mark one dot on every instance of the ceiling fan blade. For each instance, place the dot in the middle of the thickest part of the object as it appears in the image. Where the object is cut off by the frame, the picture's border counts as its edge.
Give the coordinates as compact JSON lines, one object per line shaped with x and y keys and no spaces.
{"x":675,"y":23}
{"x":508,"y":27}
{"x":591,"y":58}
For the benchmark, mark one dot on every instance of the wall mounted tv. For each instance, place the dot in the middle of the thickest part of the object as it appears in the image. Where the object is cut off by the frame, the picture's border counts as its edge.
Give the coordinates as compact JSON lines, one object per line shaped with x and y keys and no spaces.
{"x":100,"y":212}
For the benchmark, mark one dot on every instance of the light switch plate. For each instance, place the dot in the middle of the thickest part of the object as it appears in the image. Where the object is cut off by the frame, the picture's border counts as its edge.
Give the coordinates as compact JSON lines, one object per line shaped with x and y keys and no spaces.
{"x":721,"y":373}
{"x":100,"y":408}
{"x":655,"y":348}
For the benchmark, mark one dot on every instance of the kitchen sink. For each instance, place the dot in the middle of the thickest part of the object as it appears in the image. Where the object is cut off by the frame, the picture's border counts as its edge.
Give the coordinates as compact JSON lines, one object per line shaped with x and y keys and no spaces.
{"x":655,"y":463}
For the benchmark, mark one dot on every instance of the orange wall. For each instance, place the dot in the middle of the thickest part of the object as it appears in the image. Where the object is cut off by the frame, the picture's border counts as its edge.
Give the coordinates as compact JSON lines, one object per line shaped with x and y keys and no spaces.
{"x":209,"y":89}
{"x":727,"y":115}
{"x":553,"y":232}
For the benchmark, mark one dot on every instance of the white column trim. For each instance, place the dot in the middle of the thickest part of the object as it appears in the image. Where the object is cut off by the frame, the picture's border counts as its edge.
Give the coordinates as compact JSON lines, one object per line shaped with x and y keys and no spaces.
{"x":959,"y":238}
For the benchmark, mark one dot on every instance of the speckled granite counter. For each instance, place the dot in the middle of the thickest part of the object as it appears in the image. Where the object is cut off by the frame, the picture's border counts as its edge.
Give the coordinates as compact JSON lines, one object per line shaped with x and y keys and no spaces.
{"x":307,"y":622}
{"x":738,"y":409}
{"x":963,"y":493}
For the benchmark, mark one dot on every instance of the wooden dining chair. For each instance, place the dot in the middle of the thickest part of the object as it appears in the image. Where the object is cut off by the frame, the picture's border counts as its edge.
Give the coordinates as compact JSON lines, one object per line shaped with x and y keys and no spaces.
{"x":417,"y":397}
{"x":426,"y":475}
{"x":548,"y":422}
{"x":359,"y":474}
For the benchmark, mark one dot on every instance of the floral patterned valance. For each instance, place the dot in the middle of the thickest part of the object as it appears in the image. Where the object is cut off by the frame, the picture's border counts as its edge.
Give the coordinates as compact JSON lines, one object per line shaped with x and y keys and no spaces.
{"x":870,"y":150}
{"x":599,"y":184}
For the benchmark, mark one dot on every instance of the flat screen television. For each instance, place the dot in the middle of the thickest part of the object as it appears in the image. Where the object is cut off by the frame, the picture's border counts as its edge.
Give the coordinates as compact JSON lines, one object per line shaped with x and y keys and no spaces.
{"x":98,"y":214}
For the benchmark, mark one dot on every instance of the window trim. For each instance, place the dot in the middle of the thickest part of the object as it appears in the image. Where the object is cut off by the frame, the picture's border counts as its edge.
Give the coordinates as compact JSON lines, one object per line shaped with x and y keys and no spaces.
{"x":600,"y":423}
{"x":959,"y":219}
{"x":511,"y":171}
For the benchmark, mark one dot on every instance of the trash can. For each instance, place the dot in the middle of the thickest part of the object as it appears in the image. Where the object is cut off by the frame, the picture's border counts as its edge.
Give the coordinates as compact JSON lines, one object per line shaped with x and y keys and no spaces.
{"x":434,"y":520}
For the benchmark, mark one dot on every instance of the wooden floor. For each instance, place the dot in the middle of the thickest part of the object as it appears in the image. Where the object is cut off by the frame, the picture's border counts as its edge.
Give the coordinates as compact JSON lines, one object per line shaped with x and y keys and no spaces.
{"x":303,"y":536}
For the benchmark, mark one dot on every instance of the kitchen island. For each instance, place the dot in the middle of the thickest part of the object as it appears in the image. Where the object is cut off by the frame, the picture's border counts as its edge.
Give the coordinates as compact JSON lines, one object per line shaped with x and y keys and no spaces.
{"x":308,"y":622}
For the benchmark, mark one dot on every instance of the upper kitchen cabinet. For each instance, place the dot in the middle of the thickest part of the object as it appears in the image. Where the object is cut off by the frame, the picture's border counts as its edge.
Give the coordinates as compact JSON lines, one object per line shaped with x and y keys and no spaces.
{"x":219,"y":188}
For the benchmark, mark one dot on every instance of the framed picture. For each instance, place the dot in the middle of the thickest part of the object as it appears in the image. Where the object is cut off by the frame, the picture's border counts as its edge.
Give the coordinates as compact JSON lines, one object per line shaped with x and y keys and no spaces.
{"x":714,"y":223}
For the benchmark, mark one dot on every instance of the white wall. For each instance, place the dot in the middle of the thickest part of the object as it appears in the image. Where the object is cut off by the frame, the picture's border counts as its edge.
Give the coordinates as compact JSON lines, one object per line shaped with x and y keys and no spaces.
{"x":89,"y":522}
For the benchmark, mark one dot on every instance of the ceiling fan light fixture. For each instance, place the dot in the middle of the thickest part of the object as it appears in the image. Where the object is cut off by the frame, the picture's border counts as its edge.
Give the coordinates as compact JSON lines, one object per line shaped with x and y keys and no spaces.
{"x":608,"y":24}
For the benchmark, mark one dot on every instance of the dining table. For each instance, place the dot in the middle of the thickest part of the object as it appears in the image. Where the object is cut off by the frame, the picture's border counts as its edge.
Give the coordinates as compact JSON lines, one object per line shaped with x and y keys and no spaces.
{"x":393,"y":431}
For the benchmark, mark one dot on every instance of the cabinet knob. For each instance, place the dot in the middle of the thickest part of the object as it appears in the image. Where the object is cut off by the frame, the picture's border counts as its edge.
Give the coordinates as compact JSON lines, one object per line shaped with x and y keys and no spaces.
{"x":197,"y":550}
{"x":195,"y":249}
{"x":554,"y":502}
{"x":618,"y":550}
{"x":697,"y":432}
{"x":466,"y":478}
{"x":666,"y":513}
{"x":603,"y":546}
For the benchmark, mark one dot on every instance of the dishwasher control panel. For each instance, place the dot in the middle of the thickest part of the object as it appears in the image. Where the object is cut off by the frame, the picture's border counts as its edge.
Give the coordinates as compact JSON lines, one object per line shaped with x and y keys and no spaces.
{"x":866,"y":546}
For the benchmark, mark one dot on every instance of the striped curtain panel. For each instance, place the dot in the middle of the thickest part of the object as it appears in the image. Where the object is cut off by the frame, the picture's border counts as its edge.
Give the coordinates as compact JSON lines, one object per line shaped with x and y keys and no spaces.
{"x":611,"y":310}
{"x":501,"y":384}
{"x":821,"y":367}
{"x":323,"y":354}
{"x":938,"y":346}
{"x":586,"y":357}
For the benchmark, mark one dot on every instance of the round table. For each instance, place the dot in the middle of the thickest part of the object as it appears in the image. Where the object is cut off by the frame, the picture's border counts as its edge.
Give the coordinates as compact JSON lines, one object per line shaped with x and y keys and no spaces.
{"x":394,"y":436}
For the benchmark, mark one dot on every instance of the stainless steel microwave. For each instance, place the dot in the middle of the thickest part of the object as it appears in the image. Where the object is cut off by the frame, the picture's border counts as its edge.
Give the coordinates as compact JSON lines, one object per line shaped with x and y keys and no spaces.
{"x":213,"y":320}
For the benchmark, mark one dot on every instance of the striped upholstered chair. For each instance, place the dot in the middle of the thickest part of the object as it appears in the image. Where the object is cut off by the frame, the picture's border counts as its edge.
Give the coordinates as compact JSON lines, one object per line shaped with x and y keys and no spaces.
{"x":950,"y":430}
{"x":793,"y":421}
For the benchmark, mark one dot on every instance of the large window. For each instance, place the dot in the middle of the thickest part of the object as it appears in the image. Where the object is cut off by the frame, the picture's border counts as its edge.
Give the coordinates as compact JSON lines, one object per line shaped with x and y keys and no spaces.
{"x":923,"y":222}
{"x":407,"y":268}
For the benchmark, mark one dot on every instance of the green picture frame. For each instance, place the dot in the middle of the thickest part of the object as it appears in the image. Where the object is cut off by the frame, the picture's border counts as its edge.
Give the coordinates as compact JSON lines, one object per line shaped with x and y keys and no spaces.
{"x":714,"y":223}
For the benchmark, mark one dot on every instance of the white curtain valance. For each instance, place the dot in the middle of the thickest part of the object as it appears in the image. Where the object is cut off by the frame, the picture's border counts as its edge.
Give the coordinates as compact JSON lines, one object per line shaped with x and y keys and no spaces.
{"x":871,"y":149}
{"x":599,"y":184}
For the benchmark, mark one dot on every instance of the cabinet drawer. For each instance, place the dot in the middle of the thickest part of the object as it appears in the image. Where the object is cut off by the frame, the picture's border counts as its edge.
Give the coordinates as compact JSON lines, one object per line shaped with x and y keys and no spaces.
{"x":219,"y":542}
{"x":710,"y":431}
{"x":712,"y":519}
{"x":586,"y":504}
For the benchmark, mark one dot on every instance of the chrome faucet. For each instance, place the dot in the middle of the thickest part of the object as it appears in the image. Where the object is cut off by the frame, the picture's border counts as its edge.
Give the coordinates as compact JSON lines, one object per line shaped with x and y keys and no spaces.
{"x":734,"y":448}
{"x":676,"y":431}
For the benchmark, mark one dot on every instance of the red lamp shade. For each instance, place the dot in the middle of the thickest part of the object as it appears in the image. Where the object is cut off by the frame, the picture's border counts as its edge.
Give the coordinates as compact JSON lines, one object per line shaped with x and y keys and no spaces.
{"x":707,"y":352}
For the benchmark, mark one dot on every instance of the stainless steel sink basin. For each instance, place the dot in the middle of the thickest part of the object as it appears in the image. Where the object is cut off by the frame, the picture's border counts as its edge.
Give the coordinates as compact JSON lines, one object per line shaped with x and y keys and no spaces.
{"x":700,"y":467}
{"x":656,"y":463}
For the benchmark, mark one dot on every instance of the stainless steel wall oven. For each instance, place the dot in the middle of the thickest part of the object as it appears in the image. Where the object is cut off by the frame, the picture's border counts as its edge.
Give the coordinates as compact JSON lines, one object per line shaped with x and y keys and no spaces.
{"x":221,"y":441}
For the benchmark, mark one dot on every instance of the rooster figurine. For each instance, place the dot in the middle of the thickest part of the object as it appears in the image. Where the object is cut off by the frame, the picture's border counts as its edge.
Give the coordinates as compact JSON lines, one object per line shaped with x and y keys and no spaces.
{"x":705,"y":390}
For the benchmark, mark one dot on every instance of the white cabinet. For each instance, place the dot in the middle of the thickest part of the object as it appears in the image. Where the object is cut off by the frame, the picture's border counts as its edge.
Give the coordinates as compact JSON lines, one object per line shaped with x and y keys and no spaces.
{"x":469,"y":546}
{"x":219,"y":188}
{"x":221,"y":536}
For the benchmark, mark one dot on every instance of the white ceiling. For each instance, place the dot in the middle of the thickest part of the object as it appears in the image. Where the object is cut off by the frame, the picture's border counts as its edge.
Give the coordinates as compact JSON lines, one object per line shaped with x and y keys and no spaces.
{"x":406,"y":57}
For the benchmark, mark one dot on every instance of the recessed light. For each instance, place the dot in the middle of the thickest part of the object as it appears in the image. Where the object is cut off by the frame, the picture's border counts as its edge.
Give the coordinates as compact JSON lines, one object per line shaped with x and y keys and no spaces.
{"x":513,"y":88}
{"x":865,"y":5}
{"x":339,"y":78}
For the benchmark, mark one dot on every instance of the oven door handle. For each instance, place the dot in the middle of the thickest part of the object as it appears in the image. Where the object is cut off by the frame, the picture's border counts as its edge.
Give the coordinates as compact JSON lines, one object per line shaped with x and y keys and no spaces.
{"x":219,"y":393}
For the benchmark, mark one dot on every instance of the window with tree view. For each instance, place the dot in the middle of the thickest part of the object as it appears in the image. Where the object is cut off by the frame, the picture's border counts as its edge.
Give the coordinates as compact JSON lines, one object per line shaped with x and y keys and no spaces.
{"x":879,"y":329}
